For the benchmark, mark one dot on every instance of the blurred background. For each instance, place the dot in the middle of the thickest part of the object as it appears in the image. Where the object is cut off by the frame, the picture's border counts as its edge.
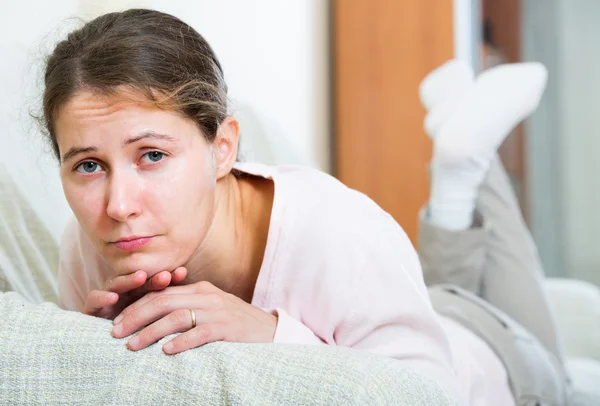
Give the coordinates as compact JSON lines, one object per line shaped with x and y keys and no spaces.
{"x":334,"y":84}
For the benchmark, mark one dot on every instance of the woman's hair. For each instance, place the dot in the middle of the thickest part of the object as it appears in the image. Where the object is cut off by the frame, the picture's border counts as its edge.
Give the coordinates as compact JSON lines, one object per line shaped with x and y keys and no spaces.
{"x":154,"y":54}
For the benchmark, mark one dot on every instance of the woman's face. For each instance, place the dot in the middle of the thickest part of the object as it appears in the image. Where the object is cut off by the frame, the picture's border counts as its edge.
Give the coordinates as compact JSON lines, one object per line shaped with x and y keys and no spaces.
{"x":140,"y":180}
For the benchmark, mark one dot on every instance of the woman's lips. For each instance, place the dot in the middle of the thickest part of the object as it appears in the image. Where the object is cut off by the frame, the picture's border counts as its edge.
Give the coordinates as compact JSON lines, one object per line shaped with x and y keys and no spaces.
{"x":130,"y":244}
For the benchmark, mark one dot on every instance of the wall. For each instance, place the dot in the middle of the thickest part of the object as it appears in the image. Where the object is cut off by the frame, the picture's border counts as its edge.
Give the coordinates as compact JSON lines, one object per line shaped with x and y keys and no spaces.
{"x":274,"y":54}
{"x":540,"y":26}
{"x":580,"y":135}
{"x":563,"y":143}
{"x":26,"y":36}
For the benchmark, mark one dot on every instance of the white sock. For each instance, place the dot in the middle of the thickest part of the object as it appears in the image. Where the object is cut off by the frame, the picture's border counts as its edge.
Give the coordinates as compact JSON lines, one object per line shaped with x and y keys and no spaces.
{"x":467,"y":136}
{"x":441,"y":91}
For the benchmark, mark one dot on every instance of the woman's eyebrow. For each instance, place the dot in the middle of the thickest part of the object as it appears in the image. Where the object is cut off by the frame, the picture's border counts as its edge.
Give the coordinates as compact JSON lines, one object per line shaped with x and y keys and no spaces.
{"x":74,"y":151}
{"x":149,"y":134}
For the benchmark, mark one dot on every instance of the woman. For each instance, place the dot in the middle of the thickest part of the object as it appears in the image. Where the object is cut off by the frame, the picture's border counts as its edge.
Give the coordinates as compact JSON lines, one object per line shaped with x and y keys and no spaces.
{"x":136,"y":109}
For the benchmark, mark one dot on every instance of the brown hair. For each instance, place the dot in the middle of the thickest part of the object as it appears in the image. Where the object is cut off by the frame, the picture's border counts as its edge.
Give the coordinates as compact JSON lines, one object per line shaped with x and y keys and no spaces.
{"x":155,"y":54}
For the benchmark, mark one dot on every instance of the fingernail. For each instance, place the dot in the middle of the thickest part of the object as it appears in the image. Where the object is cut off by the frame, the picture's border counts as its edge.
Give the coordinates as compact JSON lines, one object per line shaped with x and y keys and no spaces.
{"x":118,"y":319}
{"x":133,"y":342}
{"x":168,"y":347}
{"x":118,"y":329}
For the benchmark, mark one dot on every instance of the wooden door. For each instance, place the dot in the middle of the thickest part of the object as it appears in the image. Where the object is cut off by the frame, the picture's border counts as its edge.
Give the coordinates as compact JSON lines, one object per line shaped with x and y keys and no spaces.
{"x":382,"y":51}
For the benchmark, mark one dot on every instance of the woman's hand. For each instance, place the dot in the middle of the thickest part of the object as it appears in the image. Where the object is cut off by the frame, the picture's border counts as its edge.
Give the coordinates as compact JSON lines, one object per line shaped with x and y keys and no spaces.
{"x":219,"y":316}
{"x":120,"y":291}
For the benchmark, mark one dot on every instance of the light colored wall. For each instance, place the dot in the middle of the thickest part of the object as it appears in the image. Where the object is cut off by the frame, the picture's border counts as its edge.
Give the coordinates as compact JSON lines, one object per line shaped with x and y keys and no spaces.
{"x":540,"y":28}
{"x":274,"y":54}
{"x":580,"y":135}
{"x":27,"y":29}
{"x":564,"y":135}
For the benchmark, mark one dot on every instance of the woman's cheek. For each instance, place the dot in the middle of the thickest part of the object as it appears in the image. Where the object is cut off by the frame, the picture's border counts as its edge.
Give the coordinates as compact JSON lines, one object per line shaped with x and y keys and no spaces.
{"x":88,"y":205}
{"x":178,"y":189}
{"x":75,"y":196}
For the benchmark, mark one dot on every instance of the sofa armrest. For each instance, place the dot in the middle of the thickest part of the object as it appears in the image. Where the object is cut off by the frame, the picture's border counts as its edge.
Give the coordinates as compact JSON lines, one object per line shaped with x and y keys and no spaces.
{"x":576,"y":305}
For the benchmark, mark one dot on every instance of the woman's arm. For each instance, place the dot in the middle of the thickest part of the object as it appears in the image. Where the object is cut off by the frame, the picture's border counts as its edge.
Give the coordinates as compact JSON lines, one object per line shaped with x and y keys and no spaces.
{"x":291,"y":331}
{"x":391,"y":313}
{"x":369,"y":294}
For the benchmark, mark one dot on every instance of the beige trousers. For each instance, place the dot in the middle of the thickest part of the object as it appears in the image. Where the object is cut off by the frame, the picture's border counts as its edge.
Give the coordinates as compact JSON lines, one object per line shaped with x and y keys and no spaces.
{"x":496,"y":260}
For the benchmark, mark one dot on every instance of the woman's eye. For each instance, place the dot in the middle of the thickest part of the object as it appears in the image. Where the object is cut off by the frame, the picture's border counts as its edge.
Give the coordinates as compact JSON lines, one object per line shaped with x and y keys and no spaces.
{"x":153,"y":156}
{"x":88,"y":167}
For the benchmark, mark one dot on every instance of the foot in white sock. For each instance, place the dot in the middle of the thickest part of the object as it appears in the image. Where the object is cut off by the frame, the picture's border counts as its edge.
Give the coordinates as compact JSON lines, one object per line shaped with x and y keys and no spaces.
{"x":502,"y":97}
{"x":467,"y":135}
{"x":442,"y":90}
{"x":444,"y":82}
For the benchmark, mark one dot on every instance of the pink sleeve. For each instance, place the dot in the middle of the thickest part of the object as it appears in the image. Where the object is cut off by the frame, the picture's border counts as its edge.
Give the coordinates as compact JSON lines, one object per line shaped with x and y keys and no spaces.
{"x":391,"y":313}
{"x":373,"y":298}
{"x":291,"y":331}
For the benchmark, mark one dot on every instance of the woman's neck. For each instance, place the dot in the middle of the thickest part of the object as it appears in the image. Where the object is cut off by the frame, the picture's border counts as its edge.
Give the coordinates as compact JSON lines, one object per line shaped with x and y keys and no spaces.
{"x":232,"y":253}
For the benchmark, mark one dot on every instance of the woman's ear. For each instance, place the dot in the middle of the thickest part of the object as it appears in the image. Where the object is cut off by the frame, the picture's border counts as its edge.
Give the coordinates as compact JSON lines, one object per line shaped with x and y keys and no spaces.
{"x":225,"y":146}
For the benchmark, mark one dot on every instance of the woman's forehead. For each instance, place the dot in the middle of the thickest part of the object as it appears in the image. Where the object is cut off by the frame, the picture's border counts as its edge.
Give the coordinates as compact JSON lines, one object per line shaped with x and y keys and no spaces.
{"x":88,"y":109}
{"x":90,"y":118}
{"x":89,"y":104}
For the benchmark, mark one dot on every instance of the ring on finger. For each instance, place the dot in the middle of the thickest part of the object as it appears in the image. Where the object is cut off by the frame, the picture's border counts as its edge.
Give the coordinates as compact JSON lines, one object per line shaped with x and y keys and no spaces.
{"x":193,"y":314}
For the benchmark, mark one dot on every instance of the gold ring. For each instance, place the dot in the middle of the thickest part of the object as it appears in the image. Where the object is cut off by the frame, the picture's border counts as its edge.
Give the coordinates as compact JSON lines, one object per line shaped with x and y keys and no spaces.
{"x":193,"y":313}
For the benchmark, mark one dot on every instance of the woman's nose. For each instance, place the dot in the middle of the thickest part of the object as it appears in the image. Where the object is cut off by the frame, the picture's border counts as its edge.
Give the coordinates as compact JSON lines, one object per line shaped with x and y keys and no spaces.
{"x":123,"y":197}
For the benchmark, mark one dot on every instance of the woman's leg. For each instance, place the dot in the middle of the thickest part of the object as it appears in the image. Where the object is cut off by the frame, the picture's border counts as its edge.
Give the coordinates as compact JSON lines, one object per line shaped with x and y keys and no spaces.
{"x":513,"y":274}
{"x":495,"y":259}
{"x":449,"y":254}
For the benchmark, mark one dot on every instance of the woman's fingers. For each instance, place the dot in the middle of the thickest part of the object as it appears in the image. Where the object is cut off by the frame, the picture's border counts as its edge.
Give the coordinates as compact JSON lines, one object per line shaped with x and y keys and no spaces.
{"x":171,"y":290}
{"x":218,"y":316}
{"x":202,"y":334}
{"x":135,"y":285}
{"x":158,"y":307}
{"x":175,"y":322}
{"x":178,"y":275}
{"x":126,"y":283}
{"x":165,"y":278}
{"x":97,"y":300}
{"x":158,"y":282}
{"x":142,"y":301}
